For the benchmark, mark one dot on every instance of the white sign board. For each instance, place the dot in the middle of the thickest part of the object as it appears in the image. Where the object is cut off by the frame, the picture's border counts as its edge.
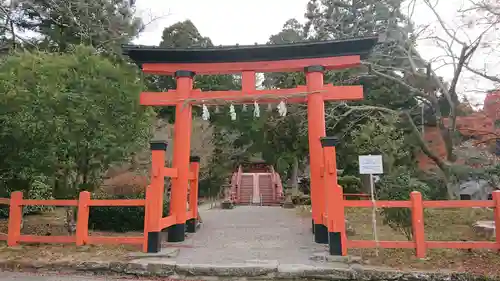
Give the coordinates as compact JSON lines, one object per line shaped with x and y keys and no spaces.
{"x":370,"y":165}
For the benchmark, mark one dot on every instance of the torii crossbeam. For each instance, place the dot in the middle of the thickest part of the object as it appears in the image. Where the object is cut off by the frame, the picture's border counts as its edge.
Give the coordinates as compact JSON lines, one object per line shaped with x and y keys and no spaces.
{"x":312,"y":57}
{"x":293,"y":95}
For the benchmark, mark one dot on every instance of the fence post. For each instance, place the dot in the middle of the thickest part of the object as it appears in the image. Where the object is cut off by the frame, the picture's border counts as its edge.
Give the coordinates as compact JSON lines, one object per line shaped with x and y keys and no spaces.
{"x":496,"y":199}
{"x":15,"y":218}
{"x":146,"y":219}
{"x":417,"y":223}
{"x":343,"y":233}
{"x":82,"y":220}
{"x":334,"y":205}
{"x":193,"y":195}
{"x":154,"y":198}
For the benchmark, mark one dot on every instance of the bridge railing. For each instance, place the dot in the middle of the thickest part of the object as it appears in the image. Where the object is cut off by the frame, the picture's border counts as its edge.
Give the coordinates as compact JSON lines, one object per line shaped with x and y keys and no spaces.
{"x":233,"y":187}
{"x":417,"y":205}
{"x":234,"y":192}
{"x":274,"y":183}
{"x":238,"y":184}
{"x":279,"y":186}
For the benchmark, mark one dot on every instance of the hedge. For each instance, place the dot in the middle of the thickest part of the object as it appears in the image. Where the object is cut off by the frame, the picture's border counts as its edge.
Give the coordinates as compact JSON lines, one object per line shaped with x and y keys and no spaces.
{"x":120,"y":219}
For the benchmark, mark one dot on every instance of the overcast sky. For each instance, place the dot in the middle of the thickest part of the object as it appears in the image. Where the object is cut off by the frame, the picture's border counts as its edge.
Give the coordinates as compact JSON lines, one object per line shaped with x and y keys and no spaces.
{"x":230,"y":22}
{"x":226,"y":22}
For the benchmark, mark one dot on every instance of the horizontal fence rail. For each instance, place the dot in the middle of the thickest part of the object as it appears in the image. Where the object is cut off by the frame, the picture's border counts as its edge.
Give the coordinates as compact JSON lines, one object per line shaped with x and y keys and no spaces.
{"x":154,"y":222}
{"x":81,"y":237}
{"x":363,"y":196}
{"x":417,"y":205}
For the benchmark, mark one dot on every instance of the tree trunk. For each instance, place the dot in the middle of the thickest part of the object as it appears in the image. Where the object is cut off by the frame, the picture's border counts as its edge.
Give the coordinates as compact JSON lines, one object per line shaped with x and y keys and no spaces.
{"x":451,"y":192}
{"x":365,"y":184}
{"x":295,"y":174}
{"x":70,"y":220}
{"x":450,"y":185}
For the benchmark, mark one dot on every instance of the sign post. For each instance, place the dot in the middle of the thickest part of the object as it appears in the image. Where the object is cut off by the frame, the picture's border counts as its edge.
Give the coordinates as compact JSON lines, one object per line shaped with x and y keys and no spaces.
{"x":372,"y":165}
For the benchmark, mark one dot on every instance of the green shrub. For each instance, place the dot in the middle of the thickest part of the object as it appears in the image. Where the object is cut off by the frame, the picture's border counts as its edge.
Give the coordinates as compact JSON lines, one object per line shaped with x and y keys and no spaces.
{"x":4,"y":193}
{"x":4,"y":211}
{"x":350,"y":184}
{"x":436,"y":183}
{"x":305,"y":185}
{"x":398,"y":186}
{"x":301,"y":199}
{"x":39,"y":188}
{"x":120,"y":219}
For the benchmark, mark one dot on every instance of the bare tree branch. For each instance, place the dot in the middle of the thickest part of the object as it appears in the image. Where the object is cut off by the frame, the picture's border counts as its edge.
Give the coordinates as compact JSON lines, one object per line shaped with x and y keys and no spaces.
{"x":484,"y":75}
{"x":404,"y":115}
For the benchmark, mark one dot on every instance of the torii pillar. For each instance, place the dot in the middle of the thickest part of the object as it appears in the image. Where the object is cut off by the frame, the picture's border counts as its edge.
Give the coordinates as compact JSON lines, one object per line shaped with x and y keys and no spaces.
{"x":316,"y":131}
{"x":182,"y":146}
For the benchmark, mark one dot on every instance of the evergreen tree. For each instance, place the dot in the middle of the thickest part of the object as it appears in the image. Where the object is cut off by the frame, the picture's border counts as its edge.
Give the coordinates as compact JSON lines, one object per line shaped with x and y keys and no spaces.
{"x":102,"y":24}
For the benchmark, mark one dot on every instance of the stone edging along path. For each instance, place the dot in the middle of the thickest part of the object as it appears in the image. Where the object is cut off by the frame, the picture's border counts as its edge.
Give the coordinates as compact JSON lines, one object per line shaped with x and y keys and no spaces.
{"x":266,"y":271}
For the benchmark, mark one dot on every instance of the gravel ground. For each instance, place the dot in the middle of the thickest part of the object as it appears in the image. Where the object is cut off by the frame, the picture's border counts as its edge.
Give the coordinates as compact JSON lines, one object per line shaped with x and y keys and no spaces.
{"x":246,"y":233}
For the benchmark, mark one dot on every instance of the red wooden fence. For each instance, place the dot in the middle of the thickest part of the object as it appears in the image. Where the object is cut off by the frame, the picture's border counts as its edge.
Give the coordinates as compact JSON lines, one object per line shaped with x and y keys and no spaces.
{"x":417,"y":205}
{"x":81,"y":237}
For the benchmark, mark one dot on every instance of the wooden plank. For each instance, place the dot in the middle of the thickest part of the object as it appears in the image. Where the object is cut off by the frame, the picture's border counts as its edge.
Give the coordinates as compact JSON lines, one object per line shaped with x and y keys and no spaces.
{"x":115,"y":202}
{"x":294,"y":95}
{"x":170,"y":172}
{"x":115,"y":240}
{"x":381,"y":244}
{"x":329,"y":63}
{"x":379,"y":204}
{"x":32,"y":202}
{"x":167,"y":221}
{"x":459,"y":204}
{"x":47,"y":239}
{"x":461,"y":245}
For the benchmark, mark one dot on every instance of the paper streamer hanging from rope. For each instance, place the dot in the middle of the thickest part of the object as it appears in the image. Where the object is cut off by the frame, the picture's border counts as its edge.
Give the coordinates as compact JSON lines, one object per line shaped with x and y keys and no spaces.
{"x":206,"y":114}
{"x":256,"y":109}
{"x":282,"y":108}
{"x":232,"y":112}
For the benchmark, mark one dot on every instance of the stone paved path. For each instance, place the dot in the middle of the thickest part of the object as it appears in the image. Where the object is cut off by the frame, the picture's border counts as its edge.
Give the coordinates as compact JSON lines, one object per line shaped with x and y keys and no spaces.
{"x":247,"y":239}
{"x":248,"y":233}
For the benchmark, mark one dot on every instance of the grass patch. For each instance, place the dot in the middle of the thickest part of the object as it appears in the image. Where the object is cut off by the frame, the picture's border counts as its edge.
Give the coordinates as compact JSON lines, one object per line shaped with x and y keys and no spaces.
{"x":65,"y":253}
{"x":440,"y":225}
{"x":53,"y":224}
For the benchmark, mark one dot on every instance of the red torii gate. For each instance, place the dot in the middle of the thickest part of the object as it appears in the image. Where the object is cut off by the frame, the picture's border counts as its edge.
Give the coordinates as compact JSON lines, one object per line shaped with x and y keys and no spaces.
{"x":312,"y":57}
